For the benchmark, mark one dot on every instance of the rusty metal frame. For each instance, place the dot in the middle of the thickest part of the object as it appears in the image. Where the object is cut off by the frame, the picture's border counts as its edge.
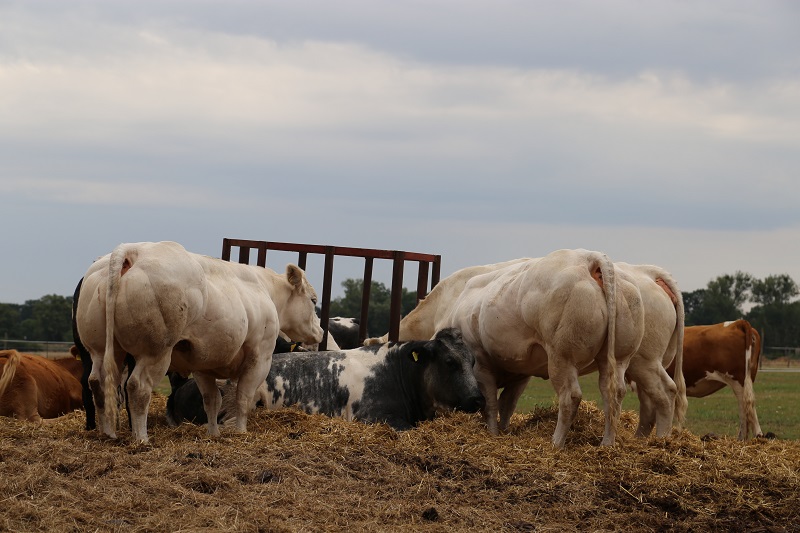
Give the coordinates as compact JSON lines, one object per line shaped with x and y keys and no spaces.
{"x":397,"y":257}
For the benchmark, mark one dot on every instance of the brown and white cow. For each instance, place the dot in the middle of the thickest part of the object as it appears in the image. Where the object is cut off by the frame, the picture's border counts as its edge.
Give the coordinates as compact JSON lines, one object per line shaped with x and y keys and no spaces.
{"x":724,"y":354}
{"x":648,"y":330}
{"x":172,"y":309}
{"x":33,"y":388}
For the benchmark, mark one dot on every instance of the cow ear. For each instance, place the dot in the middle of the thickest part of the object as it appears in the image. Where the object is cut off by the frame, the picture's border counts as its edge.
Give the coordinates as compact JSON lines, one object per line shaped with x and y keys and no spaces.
{"x":294,"y":274}
{"x":419,"y":354}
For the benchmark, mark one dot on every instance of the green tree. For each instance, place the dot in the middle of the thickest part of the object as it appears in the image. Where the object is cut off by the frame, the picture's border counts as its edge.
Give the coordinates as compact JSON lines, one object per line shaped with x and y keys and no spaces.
{"x":54,"y":314}
{"x":722,"y":299}
{"x":693,"y":306}
{"x":47,"y":319}
{"x":380,"y":301}
{"x":774,"y":290}
{"x":9,"y":321}
{"x":775,"y":315}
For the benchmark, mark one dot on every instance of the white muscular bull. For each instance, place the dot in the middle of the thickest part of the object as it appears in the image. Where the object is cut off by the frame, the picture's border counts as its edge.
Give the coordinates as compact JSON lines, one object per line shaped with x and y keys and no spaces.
{"x":661,"y":326}
{"x":547,"y":317}
{"x":643,"y":340}
{"x":173,"y":309}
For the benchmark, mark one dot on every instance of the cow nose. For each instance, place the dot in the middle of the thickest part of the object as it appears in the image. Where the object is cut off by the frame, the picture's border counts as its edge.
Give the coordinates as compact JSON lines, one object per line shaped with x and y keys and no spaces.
{"x":474,"y":404}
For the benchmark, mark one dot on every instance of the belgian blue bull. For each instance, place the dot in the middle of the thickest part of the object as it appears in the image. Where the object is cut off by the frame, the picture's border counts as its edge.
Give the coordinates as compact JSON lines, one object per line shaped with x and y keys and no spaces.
{"x":172,"y":309}
{"x":539,"y":316}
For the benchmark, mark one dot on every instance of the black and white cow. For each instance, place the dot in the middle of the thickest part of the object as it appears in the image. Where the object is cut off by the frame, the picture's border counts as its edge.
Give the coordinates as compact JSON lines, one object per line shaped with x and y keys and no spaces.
{"x":345,"y":331}
{"x":400,"y":384}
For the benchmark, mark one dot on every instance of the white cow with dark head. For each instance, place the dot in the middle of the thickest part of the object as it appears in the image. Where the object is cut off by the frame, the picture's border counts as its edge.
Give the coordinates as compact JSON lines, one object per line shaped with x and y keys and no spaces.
{"x":172,"y":309}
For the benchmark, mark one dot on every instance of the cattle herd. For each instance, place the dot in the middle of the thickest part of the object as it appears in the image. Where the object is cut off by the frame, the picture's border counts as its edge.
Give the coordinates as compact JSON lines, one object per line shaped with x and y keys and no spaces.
{"x":249,"y":336}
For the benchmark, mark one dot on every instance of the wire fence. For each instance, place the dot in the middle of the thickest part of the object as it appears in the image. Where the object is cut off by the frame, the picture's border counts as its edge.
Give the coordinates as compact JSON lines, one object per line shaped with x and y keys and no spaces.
{"x":780,"y":357}
{"x":772,"y":356}
{"x":49,"y":349}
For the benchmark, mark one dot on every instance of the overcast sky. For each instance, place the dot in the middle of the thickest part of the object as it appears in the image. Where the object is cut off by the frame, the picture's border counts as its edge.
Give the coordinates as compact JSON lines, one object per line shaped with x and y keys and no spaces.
{"x":664,"y":132}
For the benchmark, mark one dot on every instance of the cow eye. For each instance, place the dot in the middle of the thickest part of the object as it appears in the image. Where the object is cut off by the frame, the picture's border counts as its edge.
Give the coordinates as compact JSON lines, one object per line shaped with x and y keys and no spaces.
{"x":314,"y":301}
{"x":452,"y":364}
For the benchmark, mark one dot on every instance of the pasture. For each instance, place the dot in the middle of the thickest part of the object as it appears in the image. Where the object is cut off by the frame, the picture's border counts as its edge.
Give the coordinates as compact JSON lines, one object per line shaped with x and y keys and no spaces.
{"x":295,"y":472}
{"x":777,"y":404}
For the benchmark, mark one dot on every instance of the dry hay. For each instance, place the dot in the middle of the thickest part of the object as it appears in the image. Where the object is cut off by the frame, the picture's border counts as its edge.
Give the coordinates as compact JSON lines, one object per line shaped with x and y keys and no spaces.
{"x":295,"y":472}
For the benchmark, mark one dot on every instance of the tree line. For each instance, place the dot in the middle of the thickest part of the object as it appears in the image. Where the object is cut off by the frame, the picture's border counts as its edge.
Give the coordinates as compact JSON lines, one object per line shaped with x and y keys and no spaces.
{"x":769,"y":304}
{"x":47,"y":319}
{"x":766,"y":303}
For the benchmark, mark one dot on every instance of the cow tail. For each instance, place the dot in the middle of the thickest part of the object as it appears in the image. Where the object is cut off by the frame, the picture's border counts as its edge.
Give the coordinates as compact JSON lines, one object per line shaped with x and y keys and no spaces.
{"x":681,"y":403}
{"x":110,"y":368}
{"x":610,"y":291}
{"x":9,"y":370}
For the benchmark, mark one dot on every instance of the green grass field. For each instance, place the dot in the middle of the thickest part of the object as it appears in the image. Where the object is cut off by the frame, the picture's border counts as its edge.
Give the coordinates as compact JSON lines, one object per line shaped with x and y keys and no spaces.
{"x":777,"y":404}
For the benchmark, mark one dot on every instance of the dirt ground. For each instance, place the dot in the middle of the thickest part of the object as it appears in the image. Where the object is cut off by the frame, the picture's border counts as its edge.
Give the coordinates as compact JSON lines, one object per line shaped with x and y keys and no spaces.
{"x":294,"y":472}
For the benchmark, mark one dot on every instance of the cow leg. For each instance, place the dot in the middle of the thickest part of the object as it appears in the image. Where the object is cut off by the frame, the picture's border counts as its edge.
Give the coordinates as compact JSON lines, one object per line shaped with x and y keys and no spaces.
{"x":748,"y":419}
{"x":246,"y":387}
{"x":666,"y":413}
{"x":653,"y":382}
{"x":24,"y":400}
{"x":564,"y":377}
{"x":139,"y":389}
{"x":613,"y":404}
{"x":88,"y":401}
{"x":749,"y":401}
{"x":753,"y":422}
{"x":96,"y":380}
{"x":739,"y":393}
{"x":647,"y":415}
{"x":508,"y":400}
{"x":95,"y":385}
{"x":262,"y":394}
{"x":212,"y":400}
{"x":488,"y":387}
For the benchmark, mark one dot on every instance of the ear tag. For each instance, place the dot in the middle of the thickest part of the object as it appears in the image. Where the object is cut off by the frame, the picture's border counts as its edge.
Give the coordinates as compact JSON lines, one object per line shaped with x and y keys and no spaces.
{"x":416,"y":356}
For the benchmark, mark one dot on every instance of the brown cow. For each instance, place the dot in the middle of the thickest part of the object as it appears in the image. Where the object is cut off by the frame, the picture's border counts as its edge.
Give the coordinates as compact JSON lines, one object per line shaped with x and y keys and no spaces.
{"x":33,"y":387}
{"x":719,"y":355}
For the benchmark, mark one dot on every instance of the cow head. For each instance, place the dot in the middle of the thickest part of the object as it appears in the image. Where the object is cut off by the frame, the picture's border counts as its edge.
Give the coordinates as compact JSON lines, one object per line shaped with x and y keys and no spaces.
{"x":298,"y":317}
{"x":449,"y":380}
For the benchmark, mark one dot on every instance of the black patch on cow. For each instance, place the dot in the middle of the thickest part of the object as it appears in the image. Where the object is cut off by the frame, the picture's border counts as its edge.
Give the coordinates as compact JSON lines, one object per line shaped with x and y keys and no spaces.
{"x":309,"y":380}
{"x":407,"y":388}
{"x":284,"y":346}
{"x":86,"y":361}
{"x":346,"y":335}
{"x":185,"y":402}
